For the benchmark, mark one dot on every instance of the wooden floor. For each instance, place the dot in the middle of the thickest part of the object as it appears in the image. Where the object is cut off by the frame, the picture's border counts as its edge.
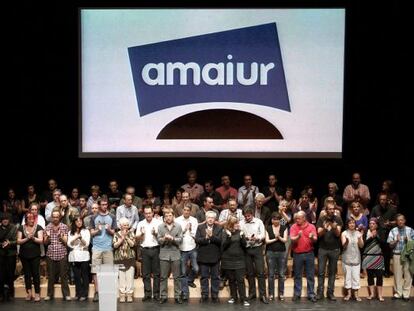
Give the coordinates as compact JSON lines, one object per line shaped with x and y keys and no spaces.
{"x":195,"y":292}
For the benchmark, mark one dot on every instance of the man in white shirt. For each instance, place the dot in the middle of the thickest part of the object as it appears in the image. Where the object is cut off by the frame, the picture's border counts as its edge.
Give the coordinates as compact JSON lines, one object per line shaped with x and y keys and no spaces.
{"x":147,"y":230}
{"x":188,"y":249}
{"x":254,"y":231}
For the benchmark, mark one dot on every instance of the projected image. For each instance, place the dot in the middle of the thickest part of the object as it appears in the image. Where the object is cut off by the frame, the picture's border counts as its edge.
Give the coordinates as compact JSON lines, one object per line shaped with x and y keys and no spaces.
{"x":227,"y":83}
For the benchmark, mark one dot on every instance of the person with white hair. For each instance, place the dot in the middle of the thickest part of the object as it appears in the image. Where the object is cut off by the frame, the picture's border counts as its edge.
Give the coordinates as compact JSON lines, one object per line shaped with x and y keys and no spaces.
{"x":124,"y":246}
{"x":208,"y":238}
{"x":260,"y":211}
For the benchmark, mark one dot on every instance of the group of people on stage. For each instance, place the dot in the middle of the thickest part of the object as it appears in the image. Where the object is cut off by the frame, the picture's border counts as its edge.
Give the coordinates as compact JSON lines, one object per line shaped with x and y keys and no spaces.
{"x":221,"y":234}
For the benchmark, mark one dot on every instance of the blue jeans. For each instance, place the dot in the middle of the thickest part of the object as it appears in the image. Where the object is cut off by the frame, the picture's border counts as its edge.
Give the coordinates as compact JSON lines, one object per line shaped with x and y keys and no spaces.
{"x":208,"y":271}
{"x":307,"y":260}
{"x":185,"y":256}
{"x":276,"y":264}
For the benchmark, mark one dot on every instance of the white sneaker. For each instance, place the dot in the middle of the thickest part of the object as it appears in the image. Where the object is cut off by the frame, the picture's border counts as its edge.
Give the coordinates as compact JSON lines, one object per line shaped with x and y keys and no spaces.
{"x":246,"y":303}
{"x":231,"y":300}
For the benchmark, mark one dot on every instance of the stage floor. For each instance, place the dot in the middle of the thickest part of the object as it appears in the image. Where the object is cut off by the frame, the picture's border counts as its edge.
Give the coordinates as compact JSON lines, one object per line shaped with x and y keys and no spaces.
{"x":194,"y":305}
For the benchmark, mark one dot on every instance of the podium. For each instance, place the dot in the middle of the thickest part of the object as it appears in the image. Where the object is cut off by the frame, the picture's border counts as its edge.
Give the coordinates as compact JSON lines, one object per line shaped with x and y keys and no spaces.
{"x":107,"y":275}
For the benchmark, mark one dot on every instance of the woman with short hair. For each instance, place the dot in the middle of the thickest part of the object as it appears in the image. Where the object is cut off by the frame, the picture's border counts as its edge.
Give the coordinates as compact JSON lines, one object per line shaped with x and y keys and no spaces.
{"x":124,"y":246}
{"x":352,"y":241}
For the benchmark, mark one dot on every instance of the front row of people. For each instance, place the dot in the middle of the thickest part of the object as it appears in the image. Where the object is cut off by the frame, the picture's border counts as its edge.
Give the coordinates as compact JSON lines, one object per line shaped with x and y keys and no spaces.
{"x":235,"y":249}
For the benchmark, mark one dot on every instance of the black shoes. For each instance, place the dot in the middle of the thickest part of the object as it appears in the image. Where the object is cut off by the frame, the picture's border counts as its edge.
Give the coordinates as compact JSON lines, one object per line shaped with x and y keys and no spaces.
{"x":312,"y":299}
{"x":178,"y":301}
{"x":295,"y":298}
{"x":251,"y":297}
{"x":331,"y":298}
{"x":320,"y":297}
{"x":147,"y":298}
{"x":215,"y":300}
{"x":162,"y":301}
{"x":264,"y":300}
{"x":204,"y":299}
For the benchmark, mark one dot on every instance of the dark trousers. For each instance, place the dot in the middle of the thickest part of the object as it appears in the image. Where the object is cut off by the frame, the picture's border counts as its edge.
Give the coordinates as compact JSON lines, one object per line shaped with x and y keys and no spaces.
{"x":330,"y":256}
{"x":236,"y":282}
{"x":31,"y":269}
{"x":387,"y":253}
{"x":306,"y":260}
{"x":151,"y":264}
{"x":375,"y":273}
{"x":208,"y":271}
{"x":81,"y":275}
{"x":255,"y":267}
{"x":57,"y":268}
{"x":7,"y":270}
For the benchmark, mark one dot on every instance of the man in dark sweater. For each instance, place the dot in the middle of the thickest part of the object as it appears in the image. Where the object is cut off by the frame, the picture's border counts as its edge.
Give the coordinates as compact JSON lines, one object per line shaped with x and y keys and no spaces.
{"x":329,"y":232}
{"x":208,"y":238}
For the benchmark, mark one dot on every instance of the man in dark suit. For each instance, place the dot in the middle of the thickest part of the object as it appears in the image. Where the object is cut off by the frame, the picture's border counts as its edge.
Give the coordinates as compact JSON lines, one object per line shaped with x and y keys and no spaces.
{"x":208,"y":238}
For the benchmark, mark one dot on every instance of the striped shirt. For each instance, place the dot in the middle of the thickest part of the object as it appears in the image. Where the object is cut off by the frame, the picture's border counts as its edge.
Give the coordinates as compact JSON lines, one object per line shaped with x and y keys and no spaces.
{"x":372,"y":255}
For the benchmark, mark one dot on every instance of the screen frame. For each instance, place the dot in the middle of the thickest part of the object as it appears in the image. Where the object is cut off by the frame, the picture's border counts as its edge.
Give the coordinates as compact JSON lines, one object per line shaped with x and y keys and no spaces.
{"x":189,"y":154}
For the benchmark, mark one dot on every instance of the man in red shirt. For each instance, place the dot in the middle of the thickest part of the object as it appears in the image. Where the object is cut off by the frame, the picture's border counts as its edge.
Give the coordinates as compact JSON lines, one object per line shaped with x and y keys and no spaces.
{"x":303,"y":235}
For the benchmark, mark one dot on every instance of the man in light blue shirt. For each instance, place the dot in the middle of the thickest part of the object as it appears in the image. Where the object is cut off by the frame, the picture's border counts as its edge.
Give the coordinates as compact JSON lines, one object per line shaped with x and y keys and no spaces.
{"x":397,"y":239}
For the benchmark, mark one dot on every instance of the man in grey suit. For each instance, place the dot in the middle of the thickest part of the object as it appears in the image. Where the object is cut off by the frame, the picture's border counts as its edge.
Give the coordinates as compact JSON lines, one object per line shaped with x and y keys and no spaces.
{"x":170,"y":237}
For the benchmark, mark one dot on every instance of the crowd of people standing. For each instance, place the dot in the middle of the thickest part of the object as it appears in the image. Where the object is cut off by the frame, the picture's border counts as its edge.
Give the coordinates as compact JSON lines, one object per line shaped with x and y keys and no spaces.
{"x":218,"y":234}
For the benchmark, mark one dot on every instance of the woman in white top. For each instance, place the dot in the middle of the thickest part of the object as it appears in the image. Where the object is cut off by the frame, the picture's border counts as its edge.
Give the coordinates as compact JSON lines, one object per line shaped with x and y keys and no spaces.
{"x":352,"y":241}
{"x":78,"y":241}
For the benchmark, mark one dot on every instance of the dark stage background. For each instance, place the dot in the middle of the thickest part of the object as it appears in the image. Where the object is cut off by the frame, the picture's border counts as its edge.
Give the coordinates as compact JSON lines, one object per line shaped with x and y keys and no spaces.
{"x":40,"y":110}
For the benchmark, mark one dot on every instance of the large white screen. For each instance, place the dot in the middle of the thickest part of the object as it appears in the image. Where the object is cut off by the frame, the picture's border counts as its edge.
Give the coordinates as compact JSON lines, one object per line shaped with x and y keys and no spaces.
{"x":303,"y":100}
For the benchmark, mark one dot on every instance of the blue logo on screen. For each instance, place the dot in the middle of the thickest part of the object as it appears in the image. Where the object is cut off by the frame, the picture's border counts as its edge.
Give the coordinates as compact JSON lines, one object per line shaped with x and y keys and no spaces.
{"x":241,"y":65}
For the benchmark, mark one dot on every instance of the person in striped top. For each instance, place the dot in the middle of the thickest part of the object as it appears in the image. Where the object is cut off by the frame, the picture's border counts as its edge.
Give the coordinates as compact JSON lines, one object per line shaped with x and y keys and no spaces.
{"x":373,"y":259}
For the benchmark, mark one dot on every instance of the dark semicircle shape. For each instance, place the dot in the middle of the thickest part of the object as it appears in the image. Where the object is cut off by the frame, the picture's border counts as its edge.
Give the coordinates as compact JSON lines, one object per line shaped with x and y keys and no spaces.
{"x":219,"y":124}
